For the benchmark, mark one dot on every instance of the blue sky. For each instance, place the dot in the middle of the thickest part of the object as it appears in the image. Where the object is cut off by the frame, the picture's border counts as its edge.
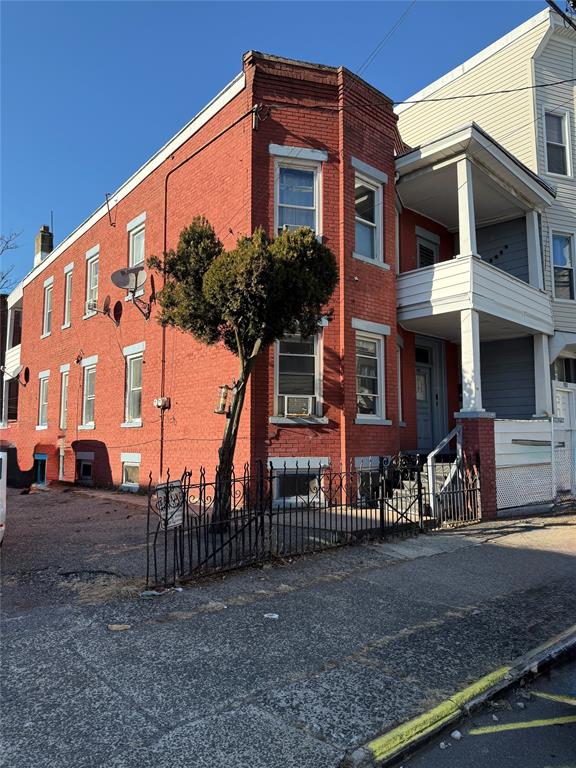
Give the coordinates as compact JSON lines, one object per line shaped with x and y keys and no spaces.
{"x":90,"y":90}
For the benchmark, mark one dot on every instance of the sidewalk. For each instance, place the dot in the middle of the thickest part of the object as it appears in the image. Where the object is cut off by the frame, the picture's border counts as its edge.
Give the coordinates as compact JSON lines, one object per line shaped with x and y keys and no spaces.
{"x":285,"y":666}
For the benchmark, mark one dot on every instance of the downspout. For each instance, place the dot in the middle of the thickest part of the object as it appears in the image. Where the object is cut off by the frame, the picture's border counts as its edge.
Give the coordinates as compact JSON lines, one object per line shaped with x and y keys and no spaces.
{"x":252,"y":111}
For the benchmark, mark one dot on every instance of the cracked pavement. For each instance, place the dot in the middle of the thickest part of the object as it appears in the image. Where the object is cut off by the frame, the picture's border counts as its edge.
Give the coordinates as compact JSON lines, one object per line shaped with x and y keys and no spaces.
{"x":365,"y":638}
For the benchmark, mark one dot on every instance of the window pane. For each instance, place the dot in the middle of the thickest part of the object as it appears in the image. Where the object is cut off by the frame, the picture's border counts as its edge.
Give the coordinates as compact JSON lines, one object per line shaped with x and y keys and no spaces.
{"x":294,"y":384}
{"x":367,"y":404}
{"x":90,"y":381}
{"x":366,"y":347}
{"x":365,"y":203}
{"x":89,"y":411}
{"x":367,"y":385}
{"x":137,"y":248}
{"x":557,"y":159}
{"x":561,"y":251}
{"x":296,"y":217}
{"x":296,"y":364}
{"x":130,"y":473}
{"x":135,"y":404}
{"x":290,"y":485}
{"x":296,"y":345}
{"x":68,"y":298}
{"x":296,"y":187}
{"x":563,"y":283}
{"x":365,"y":240}
{"x":136,"y":372}
{"x":555,"y":128}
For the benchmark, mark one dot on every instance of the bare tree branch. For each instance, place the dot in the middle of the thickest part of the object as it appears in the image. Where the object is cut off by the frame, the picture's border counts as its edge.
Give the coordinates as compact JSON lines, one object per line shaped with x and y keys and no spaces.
{"x":7,"y":243}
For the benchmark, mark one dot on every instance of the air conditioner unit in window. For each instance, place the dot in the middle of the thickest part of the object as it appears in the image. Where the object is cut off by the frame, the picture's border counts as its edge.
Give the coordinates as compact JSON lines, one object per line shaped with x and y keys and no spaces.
{"x":298,"y":405}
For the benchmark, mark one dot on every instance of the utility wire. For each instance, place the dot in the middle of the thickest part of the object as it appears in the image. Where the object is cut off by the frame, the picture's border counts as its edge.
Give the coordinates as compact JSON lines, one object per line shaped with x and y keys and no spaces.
{"x":385,"y":39}
{"x":487,"y":93}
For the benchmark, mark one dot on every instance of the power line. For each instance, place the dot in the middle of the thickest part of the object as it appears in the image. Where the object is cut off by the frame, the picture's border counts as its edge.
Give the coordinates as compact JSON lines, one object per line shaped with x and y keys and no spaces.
{"x":385,"y":39}
{"x":488,"y":93}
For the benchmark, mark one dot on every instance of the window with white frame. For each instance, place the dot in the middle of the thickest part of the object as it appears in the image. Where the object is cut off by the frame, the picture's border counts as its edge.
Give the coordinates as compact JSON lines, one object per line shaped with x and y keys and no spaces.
{"x":47,"y":316}
{"x":92,"y":283}
{"x":369,"y":376}
{"x":297,"y":480}
{"x":136,"y":246}
{"x":43,"y":401}
{"x":427,"y":248}
{"x":64,"y":377}
{"x":564,"y":370}
{"x":297,"y":195}
{"x":298,"y":376}
{"x":555,"y":127}
{"x":563,"y":260}
{"x":67,"y":299}
{"x":88,"y":396}
{"x":133,"y":413}
{"x":368,"y":217}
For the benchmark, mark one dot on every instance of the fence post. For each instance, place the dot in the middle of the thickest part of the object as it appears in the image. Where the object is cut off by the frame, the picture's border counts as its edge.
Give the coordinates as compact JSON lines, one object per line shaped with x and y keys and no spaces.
{"x":419,"y":489}
{"x":382,"y":493}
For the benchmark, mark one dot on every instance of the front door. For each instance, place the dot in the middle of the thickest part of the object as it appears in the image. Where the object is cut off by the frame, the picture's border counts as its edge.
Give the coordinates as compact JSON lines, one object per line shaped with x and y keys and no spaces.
{"x":424,"y":408}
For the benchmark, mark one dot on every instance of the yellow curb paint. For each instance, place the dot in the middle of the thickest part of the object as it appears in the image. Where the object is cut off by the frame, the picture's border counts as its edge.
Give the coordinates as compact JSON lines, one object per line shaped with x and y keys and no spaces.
{"x":571,"y":700}
{"x":480,"y":686}
{"x":527,"y":724}
{"x":389,"y":743}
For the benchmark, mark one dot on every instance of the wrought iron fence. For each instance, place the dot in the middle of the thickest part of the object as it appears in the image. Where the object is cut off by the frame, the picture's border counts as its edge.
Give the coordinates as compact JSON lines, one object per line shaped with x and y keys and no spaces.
{"x":266,"y":512}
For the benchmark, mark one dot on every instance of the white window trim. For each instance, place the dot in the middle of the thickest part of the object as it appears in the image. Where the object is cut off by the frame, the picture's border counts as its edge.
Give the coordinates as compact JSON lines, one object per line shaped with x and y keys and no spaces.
{"x":68,"y":277}
{"x":64,"y":374}
{"x":305,"y":165}
{"x":367,"y":326}
{"x":365,"y":169}
{"x":136,"y":222}
{"x":43,"y":379}
{"x":48,"y":291}
{"x":88,"y":366}
{"x":92,"y":255}
{"x":565,"y":115}
{"x":430,"y":237}
{"x":319,"y":418}
{"x":572,"y":236}
{"x":133,"y":460}
{"x":378,"y":418}
{"x":128,"y":358}
{"x":134,"y":349}
{"x":376,"y":185}
{"x":291,"y":464}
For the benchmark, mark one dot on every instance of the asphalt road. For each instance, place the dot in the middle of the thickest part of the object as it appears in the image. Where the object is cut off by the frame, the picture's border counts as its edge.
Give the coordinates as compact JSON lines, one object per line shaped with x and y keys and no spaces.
{"x":277,"y":667}
{"x":532,"y":727}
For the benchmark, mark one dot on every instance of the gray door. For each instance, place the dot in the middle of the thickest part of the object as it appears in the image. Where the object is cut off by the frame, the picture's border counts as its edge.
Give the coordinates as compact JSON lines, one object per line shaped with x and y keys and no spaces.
{"x":424,"y":408}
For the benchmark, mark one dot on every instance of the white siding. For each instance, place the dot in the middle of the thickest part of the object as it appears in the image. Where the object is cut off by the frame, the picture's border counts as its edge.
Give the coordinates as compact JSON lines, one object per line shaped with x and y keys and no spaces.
{"x":557,"y":61}
{"x":507,"y":117}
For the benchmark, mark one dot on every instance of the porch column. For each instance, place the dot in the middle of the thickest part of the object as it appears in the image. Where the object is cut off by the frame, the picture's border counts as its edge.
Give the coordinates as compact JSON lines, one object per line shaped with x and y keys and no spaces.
{"x":466,"y":216}
{"x":542,"y":385}
{"x":535,"y":275}
{"x":470,"y":346}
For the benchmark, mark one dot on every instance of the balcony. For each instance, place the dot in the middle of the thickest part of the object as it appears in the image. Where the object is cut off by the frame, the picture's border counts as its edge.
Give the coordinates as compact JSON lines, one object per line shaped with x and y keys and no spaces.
{"x":430,"y":300}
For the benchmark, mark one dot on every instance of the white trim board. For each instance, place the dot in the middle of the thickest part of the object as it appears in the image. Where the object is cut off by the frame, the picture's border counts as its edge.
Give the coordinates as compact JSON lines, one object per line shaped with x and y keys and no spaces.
{"x":298,"y":153}
{"x":226,"y":95}
{"x":370,"y":327}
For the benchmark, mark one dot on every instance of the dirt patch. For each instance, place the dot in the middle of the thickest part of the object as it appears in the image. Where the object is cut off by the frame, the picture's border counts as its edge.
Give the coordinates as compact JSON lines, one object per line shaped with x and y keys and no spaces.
{"x":94,"y":587}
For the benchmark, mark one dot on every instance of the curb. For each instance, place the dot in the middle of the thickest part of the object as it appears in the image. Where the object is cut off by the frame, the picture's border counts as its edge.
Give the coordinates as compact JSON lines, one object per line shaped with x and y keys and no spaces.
{"x":391,"y":745}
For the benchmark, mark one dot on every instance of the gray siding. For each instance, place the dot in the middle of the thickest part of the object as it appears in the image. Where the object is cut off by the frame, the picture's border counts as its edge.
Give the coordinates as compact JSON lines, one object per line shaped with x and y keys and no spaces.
{"x":505,"y":246}
{"x":508,"y":378}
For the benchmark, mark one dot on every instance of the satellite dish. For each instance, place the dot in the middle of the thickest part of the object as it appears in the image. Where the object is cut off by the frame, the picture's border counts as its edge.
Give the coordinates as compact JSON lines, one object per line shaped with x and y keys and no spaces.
{"x":117,"y":312}
{"x":26,"y":375}
{"x":106,"y":306}
{"x":130,"y":279}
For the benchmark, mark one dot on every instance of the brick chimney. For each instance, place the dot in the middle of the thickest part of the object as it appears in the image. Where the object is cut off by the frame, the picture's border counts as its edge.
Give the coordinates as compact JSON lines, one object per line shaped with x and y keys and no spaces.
{"x":43,"y":245}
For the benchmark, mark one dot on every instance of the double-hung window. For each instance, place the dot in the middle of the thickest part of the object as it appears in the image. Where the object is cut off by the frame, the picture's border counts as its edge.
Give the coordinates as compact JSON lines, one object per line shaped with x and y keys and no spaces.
{"x":47,"y":314}
{"x":44,"y":377}
{"x":368,"y":209}
{"x":563,"y":260}
{"x":555,"y":126}
{"x":64,"y":378}
{"x":369,"y":376}
{"x":67,"y":296}
{"x":92,"y":259}
{"x":297,"y":195}
{"x":89,"y":391}
{"x":134,"y":357}
{"x":136,"y":247}
{"x":298,"y":376}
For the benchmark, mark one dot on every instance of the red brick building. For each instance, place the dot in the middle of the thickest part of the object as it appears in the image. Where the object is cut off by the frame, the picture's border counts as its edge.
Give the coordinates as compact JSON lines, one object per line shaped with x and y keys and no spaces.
{"x":285,"y":143}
